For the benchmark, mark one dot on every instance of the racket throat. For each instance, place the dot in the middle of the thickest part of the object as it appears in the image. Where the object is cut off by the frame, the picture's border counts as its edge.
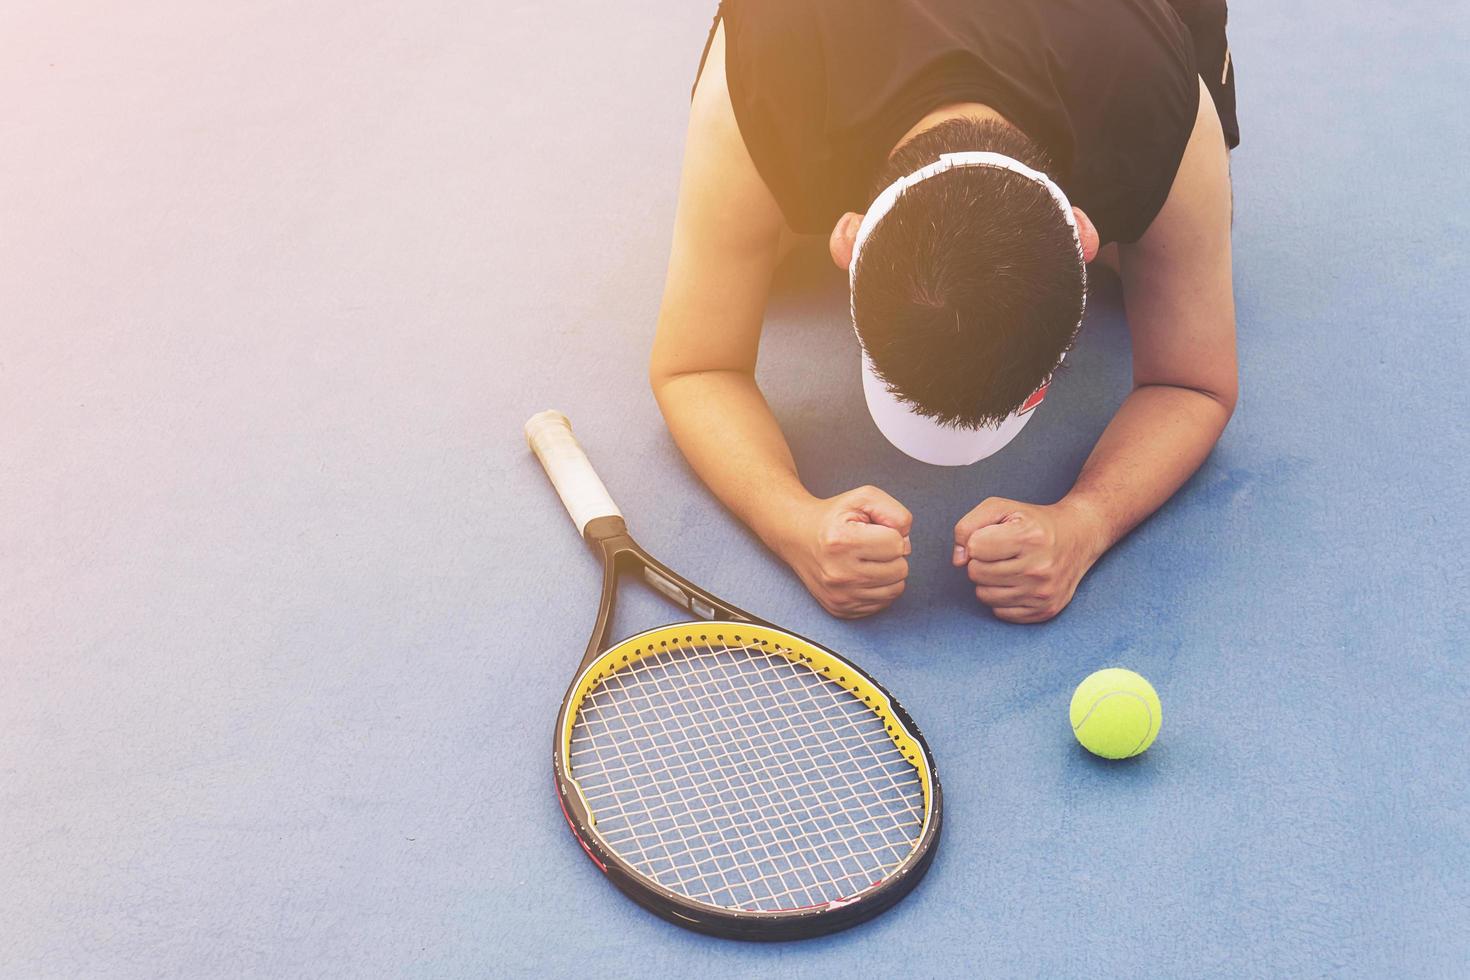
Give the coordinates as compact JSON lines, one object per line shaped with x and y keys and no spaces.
{"x":672,"y":591}
{"x":621,"y":555}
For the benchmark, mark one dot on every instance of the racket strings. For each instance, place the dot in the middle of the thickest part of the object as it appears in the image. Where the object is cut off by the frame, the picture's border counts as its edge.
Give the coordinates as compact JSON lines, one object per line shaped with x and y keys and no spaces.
{"x":775,"y":818}
{"x":643,"y":718}
{"x":736,"y":869}
{"x":741,"y":740}
{"x":740,"y":778}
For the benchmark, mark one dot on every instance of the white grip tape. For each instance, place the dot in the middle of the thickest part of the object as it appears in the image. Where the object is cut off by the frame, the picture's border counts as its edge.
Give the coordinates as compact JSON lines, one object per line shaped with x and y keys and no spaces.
{"x":576,"y":482}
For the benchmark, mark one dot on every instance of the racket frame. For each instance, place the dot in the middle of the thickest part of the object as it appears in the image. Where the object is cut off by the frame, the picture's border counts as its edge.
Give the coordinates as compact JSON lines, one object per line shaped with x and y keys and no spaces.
{"x":622,"y":557}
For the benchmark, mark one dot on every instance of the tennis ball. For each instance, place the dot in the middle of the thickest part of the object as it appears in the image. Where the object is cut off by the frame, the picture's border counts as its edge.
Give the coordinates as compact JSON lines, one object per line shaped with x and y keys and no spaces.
{"x":1116,"y":713}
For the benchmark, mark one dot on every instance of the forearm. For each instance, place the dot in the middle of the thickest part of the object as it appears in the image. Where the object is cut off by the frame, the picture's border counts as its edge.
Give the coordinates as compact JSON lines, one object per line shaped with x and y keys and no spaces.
{"x":1159,"y":437}
{"x":722,"y":424}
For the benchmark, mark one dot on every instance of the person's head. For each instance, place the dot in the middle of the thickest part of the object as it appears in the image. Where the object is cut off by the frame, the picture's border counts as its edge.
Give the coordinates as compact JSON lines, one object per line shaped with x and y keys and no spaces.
{"x":969,"y":290}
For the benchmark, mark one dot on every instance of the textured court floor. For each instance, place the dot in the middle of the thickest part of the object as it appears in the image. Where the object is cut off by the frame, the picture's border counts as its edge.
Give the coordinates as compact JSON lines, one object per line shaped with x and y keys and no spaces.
{"x":287,"y":608}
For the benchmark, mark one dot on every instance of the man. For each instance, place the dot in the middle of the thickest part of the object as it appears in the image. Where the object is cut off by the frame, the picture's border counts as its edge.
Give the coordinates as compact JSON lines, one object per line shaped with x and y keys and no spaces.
{"x":969,"y":158}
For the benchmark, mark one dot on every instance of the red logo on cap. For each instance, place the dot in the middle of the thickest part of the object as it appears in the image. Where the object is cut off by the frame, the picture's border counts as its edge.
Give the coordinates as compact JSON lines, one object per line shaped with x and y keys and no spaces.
{"x":1037,"y":397}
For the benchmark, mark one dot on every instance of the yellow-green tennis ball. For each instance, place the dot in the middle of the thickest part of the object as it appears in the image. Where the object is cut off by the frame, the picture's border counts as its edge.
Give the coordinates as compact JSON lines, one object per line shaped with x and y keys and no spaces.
{"x":1116,"y":713}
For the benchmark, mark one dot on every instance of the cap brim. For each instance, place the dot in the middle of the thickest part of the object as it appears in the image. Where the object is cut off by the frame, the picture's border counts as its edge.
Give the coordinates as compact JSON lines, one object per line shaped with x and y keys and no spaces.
{"x":927,"y":440}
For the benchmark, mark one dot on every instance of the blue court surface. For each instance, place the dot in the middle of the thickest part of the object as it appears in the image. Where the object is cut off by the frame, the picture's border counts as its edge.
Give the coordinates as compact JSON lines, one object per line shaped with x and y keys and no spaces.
{"x":288,"y":608}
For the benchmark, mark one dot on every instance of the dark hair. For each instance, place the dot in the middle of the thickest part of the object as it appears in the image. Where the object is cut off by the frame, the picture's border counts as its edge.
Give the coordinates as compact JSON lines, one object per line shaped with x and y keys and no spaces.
{"x":970,"y":290}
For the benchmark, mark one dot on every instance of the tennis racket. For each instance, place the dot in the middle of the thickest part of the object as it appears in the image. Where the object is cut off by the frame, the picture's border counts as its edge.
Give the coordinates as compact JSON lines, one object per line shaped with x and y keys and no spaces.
{"x":728,"y":775}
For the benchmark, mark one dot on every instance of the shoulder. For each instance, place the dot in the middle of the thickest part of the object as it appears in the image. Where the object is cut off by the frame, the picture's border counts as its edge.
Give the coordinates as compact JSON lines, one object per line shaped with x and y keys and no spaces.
{"x":1200,"y":192}
{"x":1132,"y":95}
{"x":720,"y":182}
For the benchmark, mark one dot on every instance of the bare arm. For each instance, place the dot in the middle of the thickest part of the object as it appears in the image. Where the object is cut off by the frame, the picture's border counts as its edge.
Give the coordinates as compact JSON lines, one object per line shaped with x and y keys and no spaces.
{"x":1177,"y":289}
{"x":847,"y":550}
{"x":702,"y":370}
{"x":1026,"y":560}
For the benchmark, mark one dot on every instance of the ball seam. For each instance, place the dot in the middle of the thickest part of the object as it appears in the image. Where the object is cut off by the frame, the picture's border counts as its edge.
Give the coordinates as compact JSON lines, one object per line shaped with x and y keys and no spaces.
{"x":1077,"y":728}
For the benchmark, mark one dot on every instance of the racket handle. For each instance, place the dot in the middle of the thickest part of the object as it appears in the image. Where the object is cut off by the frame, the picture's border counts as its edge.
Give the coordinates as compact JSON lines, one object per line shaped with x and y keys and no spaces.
{"x":576,"y":482}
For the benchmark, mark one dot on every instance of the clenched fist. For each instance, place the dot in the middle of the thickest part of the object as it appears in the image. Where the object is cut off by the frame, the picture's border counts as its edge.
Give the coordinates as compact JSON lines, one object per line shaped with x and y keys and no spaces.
{"x":849,"y":550}
{"x":1026,"y":559}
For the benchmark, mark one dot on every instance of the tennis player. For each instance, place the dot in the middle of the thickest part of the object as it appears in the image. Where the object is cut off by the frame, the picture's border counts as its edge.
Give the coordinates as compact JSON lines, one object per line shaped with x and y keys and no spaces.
{"x":966,"y":160}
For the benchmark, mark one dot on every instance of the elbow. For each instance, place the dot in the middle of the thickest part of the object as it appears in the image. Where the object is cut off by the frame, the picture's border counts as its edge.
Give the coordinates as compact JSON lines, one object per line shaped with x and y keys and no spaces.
{"x":662,"y":377}
{"x":659,"y":373}
{"x":1227,"y":395}
{"x":658,"y":381}
{"x":1228,"y":402}
{"x":1224,"y":399}
{"x":1223,"y":395}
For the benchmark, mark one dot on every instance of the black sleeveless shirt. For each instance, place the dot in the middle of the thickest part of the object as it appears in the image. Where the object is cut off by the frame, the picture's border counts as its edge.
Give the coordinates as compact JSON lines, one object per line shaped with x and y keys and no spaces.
{"x":823,"y":90}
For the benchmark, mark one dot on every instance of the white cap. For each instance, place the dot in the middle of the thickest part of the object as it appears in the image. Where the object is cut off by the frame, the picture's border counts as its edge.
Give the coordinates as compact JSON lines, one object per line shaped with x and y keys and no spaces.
{"x":917,"y":435}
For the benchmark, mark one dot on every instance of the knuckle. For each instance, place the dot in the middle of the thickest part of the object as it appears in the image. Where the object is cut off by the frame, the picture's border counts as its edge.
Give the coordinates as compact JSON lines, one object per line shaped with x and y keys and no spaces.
{"x":836,"y":578}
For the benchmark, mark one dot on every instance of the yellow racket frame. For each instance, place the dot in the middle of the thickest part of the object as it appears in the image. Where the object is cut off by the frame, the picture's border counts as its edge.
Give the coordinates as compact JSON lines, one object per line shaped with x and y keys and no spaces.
{"x":804,"y":653}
